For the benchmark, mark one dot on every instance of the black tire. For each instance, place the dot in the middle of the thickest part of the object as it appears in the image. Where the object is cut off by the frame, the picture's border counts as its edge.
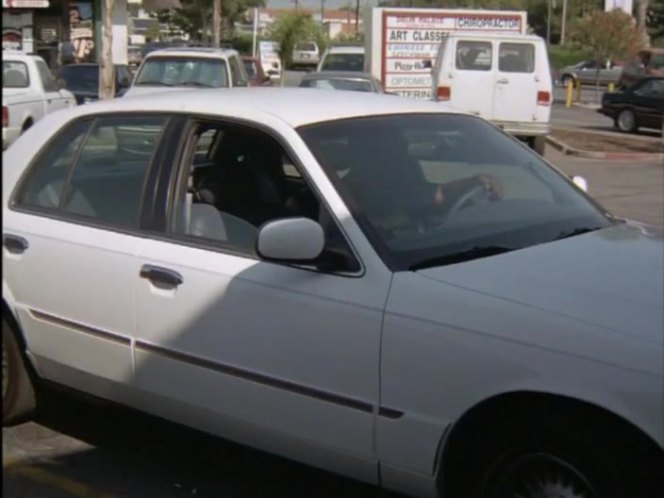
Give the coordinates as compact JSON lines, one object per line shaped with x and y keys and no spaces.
{"x":626,"y":121}
{"x":560,"y":454}
{"x":18,"y":394}
{"x":26,"y":126}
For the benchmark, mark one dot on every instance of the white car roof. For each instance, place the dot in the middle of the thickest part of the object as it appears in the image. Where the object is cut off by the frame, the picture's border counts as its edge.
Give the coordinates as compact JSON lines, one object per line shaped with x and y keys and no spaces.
{"x":198,"y":52}
{"x":295,"y":106}
{"x":349,"y":49}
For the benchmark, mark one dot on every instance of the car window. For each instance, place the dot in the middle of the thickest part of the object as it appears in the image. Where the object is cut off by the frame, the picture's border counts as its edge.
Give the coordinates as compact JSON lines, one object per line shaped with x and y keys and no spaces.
{"x":106,"y":184}
{"x":338,"y":84}
{"x":42,"y":187}
{"x":183,"y":71}
{"x":306,"y":47}
{"x":343,"y":62}
{"x":651,"y":88}
{"x":244,"y":180}
{"x":516,"y":58}
{"x":474,"y":56}
{"x":15,"y":75}
{"x":421,"y":188}
{"x":47,"y":79}
{"x":237,"y":72}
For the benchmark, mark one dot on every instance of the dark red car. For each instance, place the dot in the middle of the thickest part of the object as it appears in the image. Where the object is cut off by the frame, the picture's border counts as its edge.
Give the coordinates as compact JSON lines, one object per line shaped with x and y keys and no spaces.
{"x":254,"y":69}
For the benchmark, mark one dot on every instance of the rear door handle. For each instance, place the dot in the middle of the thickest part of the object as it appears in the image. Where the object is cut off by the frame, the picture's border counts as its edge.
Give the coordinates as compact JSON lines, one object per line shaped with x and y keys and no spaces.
{"x":15,"y":244}
{"x":503,"y":81}
{"x":159,"y":275}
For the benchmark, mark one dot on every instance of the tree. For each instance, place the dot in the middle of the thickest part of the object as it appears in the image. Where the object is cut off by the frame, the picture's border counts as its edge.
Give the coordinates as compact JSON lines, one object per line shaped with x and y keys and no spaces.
{"x":289,"y":29}
{"x":609,"y":36}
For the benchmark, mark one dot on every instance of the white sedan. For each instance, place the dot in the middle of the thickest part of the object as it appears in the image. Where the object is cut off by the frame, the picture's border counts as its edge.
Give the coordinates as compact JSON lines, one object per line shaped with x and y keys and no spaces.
{"x":371,"y":285}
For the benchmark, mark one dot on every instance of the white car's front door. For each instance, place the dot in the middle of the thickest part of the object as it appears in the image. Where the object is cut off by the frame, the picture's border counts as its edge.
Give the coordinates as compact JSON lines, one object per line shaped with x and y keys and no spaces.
{"x":70,"y":243}
{"x":54,"y":98}
{"x":272,"y":355}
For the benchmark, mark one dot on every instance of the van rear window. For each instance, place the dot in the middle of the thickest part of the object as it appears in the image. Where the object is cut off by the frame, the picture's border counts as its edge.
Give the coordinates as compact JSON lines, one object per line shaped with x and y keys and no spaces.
{"x":473,"y":56}
{"x":516,"y":58}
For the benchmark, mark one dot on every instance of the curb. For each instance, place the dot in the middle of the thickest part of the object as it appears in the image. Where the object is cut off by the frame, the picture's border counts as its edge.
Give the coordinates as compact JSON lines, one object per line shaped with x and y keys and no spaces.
{"x":607,"y":156}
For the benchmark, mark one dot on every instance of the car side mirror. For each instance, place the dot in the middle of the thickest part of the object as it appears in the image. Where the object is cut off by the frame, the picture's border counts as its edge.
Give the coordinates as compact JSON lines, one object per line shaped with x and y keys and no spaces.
{"x":295,"y":240}
{"x":580,"y":182}
{"x":427,"y":64}
{"x":124,"y":82}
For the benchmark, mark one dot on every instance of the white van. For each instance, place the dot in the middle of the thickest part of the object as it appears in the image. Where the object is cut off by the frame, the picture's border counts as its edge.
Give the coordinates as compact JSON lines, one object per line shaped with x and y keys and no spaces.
{"x":504,"y":78}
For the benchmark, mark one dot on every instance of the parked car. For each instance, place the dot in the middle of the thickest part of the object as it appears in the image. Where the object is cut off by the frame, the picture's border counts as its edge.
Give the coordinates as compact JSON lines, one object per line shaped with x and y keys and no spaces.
{"x":638,"y":106}
{"x":342,"y":80}
{"x":306,"y":54}
{"x":380,"y":287}
{"x":255,"y":73}
{"x":198,"y":67}
{"x":585,"y":73}
{"x":29,"y":92}
{"x":502,"y":77}
{"x":342,"y":58}
{"x":83,"y":80}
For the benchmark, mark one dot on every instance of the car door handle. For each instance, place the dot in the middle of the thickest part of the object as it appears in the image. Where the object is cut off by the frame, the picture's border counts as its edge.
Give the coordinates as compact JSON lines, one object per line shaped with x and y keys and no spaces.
{"x":15,"y":244}
{"x":164,"y":276}
{"x":503,"y":81}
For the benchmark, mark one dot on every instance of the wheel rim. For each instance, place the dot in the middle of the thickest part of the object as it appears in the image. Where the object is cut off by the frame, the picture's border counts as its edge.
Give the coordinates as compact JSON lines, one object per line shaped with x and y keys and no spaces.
{"x":626,"y":120}
{"x":5,"y":372}
{"x":539,"y":475}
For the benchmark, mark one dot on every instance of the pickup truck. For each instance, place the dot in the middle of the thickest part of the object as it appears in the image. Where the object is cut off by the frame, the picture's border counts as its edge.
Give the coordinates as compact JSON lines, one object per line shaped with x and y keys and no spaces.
{"x":29,"y":92}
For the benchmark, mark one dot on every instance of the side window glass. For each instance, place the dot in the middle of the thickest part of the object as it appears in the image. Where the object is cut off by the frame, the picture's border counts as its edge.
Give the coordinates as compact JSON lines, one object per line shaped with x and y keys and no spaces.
{"x":247,"y":180}
{"x":516,"y":58}
{"x":42,"y":187}
{"x":47,"y":79}
{"x":474,"y":56}
{"x":237,"y":71}
{"x":107,"y":182}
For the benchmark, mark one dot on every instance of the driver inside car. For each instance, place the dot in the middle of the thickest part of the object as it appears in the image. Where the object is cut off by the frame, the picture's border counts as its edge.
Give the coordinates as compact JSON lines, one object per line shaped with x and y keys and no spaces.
{"x":420,"y":203}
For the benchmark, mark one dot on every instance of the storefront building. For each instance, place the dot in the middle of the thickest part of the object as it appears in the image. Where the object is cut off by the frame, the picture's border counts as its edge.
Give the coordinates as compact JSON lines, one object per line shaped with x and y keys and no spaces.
{"x":62,"y":31}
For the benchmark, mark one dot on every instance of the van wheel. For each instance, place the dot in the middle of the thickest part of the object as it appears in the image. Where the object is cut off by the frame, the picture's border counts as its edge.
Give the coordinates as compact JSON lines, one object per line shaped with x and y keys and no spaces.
{"x":18,"y":394}
{"x":26,"y":126}
{"x":537,"y":144}
{"x":626,"y":121}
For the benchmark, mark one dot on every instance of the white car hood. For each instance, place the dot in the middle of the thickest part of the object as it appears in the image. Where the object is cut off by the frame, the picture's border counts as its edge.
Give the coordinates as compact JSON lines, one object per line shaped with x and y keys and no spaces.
{"x":612,"y":278}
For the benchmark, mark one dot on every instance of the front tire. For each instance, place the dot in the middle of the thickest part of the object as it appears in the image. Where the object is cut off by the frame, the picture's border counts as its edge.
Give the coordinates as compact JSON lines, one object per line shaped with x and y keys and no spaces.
{"x":626,"y":121}
{"x":559,"y":455}
{"x":18,"y":394}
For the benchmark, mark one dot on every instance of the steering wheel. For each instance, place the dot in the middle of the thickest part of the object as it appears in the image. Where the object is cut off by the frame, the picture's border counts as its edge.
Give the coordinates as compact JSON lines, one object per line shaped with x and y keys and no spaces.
{"x":476,"y":194}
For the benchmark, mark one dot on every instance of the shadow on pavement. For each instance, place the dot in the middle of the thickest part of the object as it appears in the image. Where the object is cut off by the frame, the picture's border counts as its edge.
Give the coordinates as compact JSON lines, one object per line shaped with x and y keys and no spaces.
{"x":136,"y":455}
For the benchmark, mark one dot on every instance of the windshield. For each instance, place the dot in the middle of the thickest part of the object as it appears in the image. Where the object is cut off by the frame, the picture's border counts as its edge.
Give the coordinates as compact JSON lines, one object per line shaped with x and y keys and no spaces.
{"x":250,"y":68}
{"x":85,"y":78}
{"x":426,"y":187}
{"x":15,"y":75}
{"x":183,"y":71}
{"x":338,"y":84}
{"x":343,"y":62}
{"x":305,"y":47}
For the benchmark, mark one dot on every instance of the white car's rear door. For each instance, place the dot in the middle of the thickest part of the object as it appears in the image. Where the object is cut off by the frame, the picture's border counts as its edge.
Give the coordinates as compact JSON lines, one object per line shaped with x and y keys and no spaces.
{"x":70,"y":243}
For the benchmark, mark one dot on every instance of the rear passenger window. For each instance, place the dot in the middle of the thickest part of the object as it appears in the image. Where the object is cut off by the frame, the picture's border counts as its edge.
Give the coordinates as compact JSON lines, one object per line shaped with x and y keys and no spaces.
{"x":474,"y":56}
{"x":516,"y":58}
{"x":107,"y":181}
{"x":42,"y":187}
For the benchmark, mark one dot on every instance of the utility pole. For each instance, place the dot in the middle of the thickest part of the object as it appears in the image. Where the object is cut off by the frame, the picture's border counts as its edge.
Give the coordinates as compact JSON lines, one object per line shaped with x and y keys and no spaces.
{"x":357,"y":16}
{"x":297,"y":5}
{"x":216,"y":23}
{"x":548,"y":24}
{"x":322,"y":11}
{"x":562,"y":24}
